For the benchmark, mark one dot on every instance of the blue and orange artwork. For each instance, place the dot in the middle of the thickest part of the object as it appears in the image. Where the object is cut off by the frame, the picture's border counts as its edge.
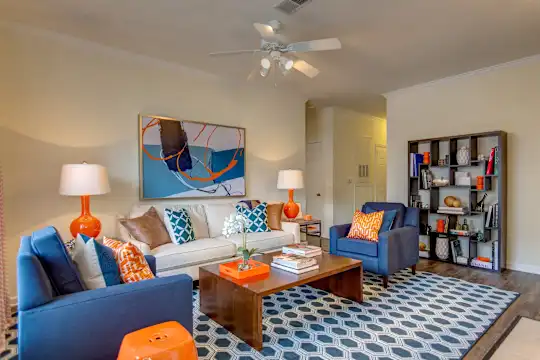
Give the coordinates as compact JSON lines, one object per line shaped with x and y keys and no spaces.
{"x":186,"y":159}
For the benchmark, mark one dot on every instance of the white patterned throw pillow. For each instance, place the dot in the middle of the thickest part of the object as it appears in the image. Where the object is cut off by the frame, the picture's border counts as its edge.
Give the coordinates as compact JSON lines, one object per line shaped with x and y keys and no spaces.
{"x":179,"y":226}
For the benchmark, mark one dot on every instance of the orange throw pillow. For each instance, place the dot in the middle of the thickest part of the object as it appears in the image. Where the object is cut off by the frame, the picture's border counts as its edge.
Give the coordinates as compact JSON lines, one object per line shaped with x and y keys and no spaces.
{"x":130,"y":260}
{"x":366,"y":226}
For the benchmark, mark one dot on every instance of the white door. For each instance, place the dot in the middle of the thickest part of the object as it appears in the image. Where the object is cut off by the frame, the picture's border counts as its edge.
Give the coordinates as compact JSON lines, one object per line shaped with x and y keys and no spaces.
{"x":314,"y":181}
{"x":380,"y":172}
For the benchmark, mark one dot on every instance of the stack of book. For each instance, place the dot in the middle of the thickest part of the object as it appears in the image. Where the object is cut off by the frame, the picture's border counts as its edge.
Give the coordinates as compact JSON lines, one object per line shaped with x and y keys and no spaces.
{"x":492,"y":219}
{"x":294,"y":263}
{"x":302,"y":250}
{"x":452,"y":210}
{"x":414,"y":162}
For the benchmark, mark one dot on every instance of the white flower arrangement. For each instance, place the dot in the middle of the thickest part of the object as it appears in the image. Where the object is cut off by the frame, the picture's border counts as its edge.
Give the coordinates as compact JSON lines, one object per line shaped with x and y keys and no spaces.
{"x":234,"y":224}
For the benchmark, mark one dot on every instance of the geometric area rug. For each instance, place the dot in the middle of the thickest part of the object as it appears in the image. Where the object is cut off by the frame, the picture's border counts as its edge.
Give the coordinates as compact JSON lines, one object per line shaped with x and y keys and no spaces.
{"x":423,"y":316}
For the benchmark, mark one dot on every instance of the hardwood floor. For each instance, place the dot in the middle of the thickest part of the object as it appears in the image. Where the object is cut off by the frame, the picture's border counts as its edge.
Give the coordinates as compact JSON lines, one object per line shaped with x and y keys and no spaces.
{"x":527,"y":304}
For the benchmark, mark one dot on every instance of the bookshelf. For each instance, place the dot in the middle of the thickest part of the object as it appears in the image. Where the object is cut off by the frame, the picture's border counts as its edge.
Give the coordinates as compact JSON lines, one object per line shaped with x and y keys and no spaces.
{"x":492,"y":241}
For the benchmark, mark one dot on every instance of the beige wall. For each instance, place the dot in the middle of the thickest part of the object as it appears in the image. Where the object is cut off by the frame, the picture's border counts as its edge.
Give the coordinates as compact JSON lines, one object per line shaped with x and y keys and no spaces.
{"x":65,"y":101}
{"x":501,"y":98}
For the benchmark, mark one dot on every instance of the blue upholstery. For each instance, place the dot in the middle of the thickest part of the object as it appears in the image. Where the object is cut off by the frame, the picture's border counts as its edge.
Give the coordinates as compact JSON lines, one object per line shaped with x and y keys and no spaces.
{"x":397,"y":249}
{"x":388,"y":218}
{"x":89,"y":324}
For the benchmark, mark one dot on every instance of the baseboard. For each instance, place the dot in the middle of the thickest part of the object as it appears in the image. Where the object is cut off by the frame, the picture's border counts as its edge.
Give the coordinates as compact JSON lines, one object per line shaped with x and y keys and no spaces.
{"x":533,"y":269}
{"x":12,"y":301}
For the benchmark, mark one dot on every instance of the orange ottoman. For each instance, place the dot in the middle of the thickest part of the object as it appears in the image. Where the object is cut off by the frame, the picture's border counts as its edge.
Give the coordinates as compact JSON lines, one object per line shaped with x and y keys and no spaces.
{"x":166,"y":341}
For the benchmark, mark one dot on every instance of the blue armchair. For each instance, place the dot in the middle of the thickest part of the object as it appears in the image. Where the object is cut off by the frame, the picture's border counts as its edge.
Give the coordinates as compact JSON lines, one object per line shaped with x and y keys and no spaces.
{"x":397,"y":249}
{"x":59,"y":319}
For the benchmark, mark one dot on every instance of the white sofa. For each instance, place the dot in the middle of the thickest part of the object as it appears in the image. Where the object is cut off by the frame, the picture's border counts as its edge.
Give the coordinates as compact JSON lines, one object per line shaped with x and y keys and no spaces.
{"x":210,"y":245}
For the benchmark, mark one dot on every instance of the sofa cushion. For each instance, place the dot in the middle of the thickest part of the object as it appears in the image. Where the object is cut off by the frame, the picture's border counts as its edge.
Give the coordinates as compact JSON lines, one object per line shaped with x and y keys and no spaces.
{"x":197,"y":214}
{"x":263,"y":240}
{"x":385,"y":206}
{"x":256,"y":219}
{"x":179,"y":226}
{"x":358,"y":246}
{"x":274,"y":212}
{"x":215,"y":216}
{"x":148,"y":228}
{"x":51,"y":252}
{"x":170,"y":256}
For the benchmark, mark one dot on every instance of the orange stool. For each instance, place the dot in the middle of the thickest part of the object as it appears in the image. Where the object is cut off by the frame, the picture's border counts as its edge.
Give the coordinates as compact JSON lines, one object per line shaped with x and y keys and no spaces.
{"x":166,"y":341}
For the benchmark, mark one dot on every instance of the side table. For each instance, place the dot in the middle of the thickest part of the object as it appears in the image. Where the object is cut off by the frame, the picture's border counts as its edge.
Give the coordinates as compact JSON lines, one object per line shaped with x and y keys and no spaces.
{"x":305,"y":228}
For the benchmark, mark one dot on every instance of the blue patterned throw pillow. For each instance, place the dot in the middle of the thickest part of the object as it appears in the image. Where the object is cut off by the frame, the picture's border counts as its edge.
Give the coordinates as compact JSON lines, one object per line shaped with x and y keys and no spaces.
{"x":179,"y":226}
{"x":256,"y":218}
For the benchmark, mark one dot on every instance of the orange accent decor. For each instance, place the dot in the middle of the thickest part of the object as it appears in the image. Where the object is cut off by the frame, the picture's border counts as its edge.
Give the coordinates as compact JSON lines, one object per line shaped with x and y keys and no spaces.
{"x":131,"y":263}
{"x":479,"y":183}
{"x":231,"y":269}
{"x":308,"y":217}
{"x":85,"y":224}
{"x":440,"y":226}
{"x":366,"y":226}
{"x":291,"y":208}
{"x":426,"y":158}
{"x":484,"y":259}
{"x":114,"y":244}
{"x":165,"y":341}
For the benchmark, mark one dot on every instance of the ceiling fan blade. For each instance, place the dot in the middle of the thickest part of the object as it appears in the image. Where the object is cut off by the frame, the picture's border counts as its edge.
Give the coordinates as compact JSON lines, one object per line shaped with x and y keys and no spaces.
{"x":306,"y":69}
{"x":234,"y":52}
{"x":315,"y":45}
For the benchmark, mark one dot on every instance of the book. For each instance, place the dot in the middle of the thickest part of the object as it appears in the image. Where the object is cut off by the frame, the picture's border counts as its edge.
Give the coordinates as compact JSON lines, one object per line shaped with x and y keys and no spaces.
{"x":419,"y":160}
{"x":303,"y":250}
{"x":496,"y":219}
{"x":294,"y":261}
{"x":491,"y":162}
{"x":489,"y":216}
{"x":295,"y":271}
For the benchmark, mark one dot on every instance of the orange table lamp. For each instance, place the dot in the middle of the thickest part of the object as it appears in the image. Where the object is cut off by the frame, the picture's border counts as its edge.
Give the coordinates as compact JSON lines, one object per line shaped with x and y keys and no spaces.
{"x":290,"y":180}
{"x":84,"y":180}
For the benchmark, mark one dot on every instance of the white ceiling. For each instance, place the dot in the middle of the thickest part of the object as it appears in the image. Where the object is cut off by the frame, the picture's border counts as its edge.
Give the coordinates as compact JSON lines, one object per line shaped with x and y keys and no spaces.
{"x":387,"y":44}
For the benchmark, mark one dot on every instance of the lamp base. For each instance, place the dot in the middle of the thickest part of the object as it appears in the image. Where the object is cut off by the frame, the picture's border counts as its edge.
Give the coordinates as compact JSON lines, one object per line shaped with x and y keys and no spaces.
{"x":85,"y":224}
{"x":291,"y":208}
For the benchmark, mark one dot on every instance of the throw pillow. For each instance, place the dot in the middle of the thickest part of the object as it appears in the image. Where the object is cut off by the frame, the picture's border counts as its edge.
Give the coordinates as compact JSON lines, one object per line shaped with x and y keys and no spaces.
{"x":96,"y":263}
{"x":178,"y":224}
{"x":256,"y":218}
{"x":388,"y":218}
{"x":366,"y":226}
{"x":115,"y":245}
{"x":132,"y":264}
{"x":148,"y":229}
{"x":274,"y":212}
{"x":250,"y":204}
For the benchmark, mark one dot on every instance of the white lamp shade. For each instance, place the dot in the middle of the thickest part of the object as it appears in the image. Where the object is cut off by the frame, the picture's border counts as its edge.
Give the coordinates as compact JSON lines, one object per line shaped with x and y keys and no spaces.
{"x":290,"y":179}
{"x":84,"y":179}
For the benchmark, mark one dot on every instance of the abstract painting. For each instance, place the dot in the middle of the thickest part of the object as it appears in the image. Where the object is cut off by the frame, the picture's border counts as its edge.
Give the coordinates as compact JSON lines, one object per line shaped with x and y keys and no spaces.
{"x":187,"y":159}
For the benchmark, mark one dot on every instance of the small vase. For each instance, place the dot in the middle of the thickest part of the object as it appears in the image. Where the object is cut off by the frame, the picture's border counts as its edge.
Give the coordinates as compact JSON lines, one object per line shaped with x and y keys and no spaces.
{"x":441,"y":248}
{"x":463,"y":156}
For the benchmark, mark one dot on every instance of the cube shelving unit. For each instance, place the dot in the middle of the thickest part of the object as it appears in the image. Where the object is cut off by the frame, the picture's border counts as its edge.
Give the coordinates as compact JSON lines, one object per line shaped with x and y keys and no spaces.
{"x":493,"y":244}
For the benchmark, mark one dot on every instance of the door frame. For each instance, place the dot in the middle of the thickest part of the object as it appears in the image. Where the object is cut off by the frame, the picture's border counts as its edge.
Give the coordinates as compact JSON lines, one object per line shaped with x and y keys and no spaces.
{"x":375,"y":167}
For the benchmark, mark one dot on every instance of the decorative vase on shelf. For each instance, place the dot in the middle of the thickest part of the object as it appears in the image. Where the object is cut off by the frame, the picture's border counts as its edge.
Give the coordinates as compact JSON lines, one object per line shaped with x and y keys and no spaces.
{"x":442,"y":248}
{"x":463,"y":156}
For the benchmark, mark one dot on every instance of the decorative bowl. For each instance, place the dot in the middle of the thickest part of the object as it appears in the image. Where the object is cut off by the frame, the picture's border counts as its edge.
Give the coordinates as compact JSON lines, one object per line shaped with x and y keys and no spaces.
{"x":440,"y":182}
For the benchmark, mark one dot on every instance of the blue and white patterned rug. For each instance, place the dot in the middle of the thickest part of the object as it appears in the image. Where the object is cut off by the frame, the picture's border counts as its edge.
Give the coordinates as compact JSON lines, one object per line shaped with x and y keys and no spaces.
{"x":423,"y":316}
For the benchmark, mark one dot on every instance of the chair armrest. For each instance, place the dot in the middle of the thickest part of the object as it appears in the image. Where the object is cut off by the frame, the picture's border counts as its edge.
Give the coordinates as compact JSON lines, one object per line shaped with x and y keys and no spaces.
{"x":91,"y":324}
{"x":398,"y":249}
{"x":145,"y":249}
{"x":292,"y":227}
{"x":151,"y":260}
{"x":336,"y":232}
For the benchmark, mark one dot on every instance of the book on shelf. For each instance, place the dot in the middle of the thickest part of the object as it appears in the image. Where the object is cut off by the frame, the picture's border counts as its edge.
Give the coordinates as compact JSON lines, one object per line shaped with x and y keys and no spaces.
{"x":451,"y":210}
{"x":303,"y":250}
{"x":294,"y":271}
{"x":492,"y":218}
{"x":491,"y":162}
{"x":415,"y":161}
{"x":294,"y":261}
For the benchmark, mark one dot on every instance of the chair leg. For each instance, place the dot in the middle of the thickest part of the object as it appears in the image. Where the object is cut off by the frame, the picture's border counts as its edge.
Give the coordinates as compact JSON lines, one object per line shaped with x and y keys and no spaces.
{"x":385,"y":281}
{"x":413,"y":268}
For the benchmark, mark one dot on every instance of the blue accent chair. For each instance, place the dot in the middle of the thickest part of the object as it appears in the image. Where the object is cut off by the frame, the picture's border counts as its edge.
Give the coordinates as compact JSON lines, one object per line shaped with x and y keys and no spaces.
{"x":59,"y":319}
{"x":397,"y":249}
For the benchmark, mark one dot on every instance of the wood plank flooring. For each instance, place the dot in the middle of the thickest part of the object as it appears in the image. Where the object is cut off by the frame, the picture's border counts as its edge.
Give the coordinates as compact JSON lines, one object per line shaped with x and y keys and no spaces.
{"x":528,"y":303}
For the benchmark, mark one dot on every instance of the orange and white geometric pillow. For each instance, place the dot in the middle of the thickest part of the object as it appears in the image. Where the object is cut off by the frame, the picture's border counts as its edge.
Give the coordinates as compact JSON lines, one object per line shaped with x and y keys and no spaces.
{"x":366,"y":226}
{"x":130,"y":260}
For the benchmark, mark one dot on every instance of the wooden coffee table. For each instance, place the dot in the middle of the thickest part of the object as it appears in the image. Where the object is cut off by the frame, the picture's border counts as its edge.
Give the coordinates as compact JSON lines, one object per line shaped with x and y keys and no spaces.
{"x":237,"y":305}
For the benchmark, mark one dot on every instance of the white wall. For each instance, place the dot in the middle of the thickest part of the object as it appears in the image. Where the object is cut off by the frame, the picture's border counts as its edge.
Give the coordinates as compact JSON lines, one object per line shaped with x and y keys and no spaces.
{"x":506,"y":98}
{"x":65,"y":100}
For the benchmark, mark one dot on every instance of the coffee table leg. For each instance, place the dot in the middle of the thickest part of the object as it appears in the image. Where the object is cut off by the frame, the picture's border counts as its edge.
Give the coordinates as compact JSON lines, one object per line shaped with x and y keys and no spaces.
{"x":231,"y":306}
{"x":346,"y":284}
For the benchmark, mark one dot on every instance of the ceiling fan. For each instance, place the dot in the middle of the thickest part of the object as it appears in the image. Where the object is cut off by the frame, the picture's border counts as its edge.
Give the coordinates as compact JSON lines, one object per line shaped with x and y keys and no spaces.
{"x":279,"y":54}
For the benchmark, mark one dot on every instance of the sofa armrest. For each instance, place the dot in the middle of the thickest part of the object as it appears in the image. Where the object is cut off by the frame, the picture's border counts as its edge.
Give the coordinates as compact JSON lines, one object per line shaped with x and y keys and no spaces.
{"x":398,"y":249}
{"x":292,"y":227}
{"x":91,"y":324}
{"x":151,"y":260}
{"x":145,"y":249}
{"x":336,"y":232}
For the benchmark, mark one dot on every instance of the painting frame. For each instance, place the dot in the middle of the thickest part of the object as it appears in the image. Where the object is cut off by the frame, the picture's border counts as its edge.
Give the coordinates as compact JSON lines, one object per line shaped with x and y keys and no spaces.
{"x":143,"y":196}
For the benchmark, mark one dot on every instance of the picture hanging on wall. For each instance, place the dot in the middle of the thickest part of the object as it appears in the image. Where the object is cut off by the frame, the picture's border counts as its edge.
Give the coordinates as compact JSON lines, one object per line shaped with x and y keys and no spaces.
{"x":186,"y":159}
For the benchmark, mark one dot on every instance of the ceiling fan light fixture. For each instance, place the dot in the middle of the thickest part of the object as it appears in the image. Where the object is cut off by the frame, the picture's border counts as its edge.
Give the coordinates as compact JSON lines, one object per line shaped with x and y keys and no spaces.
{"x":266,"y":63}
{"x":286,"y":64}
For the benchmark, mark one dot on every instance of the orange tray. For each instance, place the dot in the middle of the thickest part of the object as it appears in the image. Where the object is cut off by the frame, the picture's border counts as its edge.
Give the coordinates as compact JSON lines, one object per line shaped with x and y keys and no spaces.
{"x":231,"y":269}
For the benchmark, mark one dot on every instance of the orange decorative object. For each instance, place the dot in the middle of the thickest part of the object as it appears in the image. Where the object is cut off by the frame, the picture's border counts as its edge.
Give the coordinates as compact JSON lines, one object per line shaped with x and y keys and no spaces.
{"x":366,"y":226}
{"x":291,"y":208}
{"x":231,"y":269}
{"x":484,"y":259}
{"x":426,"y":158}
{"x":308,"y":217}
{"x":85,"y":224}
{"x":440,"y":226}
{"x":479,"y":183}
{"x":165,"y":341}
